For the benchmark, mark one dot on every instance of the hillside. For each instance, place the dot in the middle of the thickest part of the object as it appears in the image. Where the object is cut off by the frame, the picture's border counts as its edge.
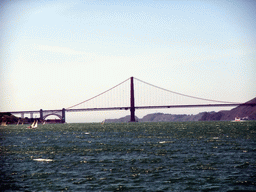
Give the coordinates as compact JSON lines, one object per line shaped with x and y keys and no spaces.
{"x":120,"y":120}
{"x":8,"y":118}
{"x":247,"y":112}
{"x":161,"y":117}
{"x":158,"y":117}
{"x":12,"y":119}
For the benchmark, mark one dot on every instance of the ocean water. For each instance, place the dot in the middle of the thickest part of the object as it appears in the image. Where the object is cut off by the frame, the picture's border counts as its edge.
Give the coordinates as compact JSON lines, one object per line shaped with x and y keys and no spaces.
{"x":190,"y":156}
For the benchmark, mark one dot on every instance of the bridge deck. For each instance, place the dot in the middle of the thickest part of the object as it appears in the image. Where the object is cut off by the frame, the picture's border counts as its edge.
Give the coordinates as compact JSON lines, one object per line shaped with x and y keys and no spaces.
{"x":157,"y":107}
{"x":136,"y":107}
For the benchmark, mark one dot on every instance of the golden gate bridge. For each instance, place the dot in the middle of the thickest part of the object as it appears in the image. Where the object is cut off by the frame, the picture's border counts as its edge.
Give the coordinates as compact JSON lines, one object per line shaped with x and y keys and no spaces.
{"x":132,"y":94}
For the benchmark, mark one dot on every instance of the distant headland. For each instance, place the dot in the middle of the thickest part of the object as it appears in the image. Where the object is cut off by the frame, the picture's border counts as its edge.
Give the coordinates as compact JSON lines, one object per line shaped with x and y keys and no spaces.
{"x":247,"y":112}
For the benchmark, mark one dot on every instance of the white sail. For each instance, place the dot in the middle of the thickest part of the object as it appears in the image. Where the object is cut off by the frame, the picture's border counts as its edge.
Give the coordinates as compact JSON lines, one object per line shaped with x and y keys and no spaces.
{"x":35,"y":126}
{"x":3,"y":124}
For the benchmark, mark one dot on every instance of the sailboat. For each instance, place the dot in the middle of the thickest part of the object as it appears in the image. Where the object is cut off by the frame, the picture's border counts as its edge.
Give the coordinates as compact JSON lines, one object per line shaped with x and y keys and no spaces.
{"x":33,"y":125}
{"x":3,"y":124}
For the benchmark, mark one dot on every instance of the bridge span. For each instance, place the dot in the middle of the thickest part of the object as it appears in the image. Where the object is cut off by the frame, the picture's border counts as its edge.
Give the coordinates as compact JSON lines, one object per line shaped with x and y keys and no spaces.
{"x":61,"y":113}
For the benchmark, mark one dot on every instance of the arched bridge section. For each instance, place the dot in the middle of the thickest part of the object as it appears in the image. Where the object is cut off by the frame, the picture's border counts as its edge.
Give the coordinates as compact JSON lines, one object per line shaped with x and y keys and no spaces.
{"x":44,"y":117}
{"x":59,"y":113}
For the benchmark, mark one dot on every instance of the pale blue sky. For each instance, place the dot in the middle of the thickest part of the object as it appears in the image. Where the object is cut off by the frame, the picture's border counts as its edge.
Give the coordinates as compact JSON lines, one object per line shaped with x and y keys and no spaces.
{"x":55,"y":54}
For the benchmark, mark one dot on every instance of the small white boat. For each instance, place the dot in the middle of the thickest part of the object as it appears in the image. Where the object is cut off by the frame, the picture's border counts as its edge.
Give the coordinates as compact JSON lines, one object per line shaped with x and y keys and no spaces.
{"x":237,"y":119}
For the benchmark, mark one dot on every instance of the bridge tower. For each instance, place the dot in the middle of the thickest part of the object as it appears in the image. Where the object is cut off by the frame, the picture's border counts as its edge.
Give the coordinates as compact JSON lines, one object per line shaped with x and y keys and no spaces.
{"x":41,"y":115}
{"x":132,"y":107}
{"x":63,"y":120}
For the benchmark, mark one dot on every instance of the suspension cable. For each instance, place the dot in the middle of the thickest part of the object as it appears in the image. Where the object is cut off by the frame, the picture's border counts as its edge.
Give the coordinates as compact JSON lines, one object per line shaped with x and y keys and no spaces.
{"x":184,"y":94}
{"x":98,"y":94}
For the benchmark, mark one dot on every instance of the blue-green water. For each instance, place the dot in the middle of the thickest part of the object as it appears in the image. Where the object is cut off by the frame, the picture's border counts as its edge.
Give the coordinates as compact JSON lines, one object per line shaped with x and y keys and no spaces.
{"x":191,"y":156}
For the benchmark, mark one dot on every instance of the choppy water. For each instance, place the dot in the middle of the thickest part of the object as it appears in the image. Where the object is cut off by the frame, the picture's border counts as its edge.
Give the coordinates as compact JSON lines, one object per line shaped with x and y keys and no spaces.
{"x":191,"y":156}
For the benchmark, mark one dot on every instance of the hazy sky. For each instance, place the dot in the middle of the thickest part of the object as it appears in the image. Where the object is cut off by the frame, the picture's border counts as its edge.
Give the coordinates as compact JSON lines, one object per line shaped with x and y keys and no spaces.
{"x":55,"y":54}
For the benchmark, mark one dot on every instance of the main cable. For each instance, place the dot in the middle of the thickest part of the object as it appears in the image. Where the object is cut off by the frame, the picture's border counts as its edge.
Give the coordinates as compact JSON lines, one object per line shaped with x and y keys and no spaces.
{"x":98,"y":94}
{"x":185,"y":94}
